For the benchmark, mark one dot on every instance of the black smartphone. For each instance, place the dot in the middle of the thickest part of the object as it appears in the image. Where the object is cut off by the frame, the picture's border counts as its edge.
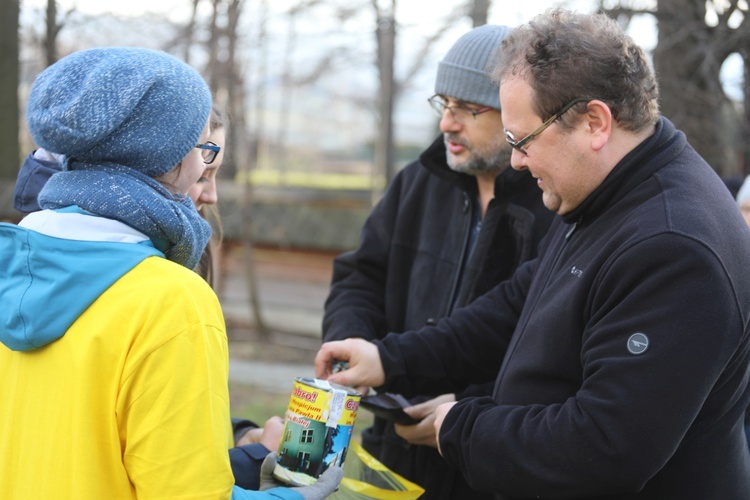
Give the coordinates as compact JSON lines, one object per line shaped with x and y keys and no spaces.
{"x":389,"y":407}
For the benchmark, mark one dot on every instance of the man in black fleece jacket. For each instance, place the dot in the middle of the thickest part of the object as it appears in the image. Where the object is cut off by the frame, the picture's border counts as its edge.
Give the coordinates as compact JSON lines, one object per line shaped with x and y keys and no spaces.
{"x":450,"y":227}
{"x":620,"y":355}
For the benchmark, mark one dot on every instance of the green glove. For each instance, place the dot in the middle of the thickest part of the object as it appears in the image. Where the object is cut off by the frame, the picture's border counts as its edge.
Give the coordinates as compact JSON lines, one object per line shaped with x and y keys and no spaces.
{"x":327,"y":483}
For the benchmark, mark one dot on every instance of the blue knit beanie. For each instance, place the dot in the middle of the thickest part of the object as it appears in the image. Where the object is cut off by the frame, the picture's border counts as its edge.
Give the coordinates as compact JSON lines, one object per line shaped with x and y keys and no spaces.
{"x":463,"y":75}
{"x":136,"y":107}
{"x":121,"y":116}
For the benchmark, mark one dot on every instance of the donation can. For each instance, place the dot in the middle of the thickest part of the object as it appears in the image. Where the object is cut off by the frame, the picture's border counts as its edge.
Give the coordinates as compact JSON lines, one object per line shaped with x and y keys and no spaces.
{"x":318,"y":427}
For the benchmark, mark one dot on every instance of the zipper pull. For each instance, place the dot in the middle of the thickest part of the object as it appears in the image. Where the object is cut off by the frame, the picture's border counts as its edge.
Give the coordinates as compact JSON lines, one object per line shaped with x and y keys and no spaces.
{"x":572,"y":229}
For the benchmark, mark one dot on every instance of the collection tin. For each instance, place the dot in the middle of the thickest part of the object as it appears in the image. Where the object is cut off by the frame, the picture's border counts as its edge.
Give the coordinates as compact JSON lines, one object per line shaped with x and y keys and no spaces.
{"x":318,"y":427}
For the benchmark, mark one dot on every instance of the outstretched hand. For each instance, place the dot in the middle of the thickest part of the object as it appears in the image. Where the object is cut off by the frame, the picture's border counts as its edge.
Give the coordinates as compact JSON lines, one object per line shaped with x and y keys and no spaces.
{"x":365,"y":367}
{"x":327,"y":483}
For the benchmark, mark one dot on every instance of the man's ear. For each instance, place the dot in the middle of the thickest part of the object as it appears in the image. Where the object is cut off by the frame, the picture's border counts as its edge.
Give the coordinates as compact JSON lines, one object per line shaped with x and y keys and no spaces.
{"x":598,"y":119}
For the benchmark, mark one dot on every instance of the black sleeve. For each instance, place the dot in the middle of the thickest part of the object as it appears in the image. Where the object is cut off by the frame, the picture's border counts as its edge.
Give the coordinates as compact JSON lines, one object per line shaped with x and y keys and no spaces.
{"x":465,"y":348}
{"x":240,"y":426}
{"x":246,"y":461}
{"x":32,"y":177}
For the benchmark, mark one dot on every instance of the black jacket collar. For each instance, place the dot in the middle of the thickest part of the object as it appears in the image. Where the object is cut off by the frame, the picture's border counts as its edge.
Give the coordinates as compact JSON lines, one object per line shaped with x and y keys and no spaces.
{"x":638,"y":165}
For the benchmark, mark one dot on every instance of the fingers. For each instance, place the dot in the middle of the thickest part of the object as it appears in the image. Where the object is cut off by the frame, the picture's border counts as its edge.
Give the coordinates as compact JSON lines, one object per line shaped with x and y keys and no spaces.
{"x":251,"y":436}
{"x":363,"y":390}
{"x":272,"y":432}
{"x":274,"y":423}
{"x":422,"y":410}
{"x":348,"y":377}
{"x":328,"y":353}
{"x":365,"y":367}
{"x":422,"y":433}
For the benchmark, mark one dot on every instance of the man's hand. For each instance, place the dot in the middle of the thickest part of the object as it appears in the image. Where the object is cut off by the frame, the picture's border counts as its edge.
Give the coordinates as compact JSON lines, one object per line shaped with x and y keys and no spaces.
{"x":440,"y":414}
{"x":365,"y":367}
{"x":269,"y":436}
{"x":423,"y":433}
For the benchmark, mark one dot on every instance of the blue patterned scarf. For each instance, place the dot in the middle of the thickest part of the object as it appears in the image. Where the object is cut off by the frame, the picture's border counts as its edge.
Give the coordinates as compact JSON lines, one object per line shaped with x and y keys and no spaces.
{"x":124,"y":194}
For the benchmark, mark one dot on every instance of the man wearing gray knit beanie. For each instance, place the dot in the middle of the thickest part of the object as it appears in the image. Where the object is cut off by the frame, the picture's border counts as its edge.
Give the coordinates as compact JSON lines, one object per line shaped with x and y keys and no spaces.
{"x":451,"y":225}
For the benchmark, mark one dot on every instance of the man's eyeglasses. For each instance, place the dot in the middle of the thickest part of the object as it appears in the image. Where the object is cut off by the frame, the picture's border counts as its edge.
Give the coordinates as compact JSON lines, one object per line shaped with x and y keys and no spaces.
{"x":209,"y":150}
{"x":459,"y":112}
{"x":520,"y":144}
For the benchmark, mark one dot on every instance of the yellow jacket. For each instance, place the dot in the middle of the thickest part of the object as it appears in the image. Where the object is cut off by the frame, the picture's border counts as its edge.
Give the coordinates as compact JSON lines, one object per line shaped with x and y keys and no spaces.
{"x":95,"y":414}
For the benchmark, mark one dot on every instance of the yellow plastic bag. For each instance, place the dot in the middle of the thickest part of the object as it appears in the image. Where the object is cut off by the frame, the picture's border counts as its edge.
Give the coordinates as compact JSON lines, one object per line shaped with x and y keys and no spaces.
{"x":366,"y":478}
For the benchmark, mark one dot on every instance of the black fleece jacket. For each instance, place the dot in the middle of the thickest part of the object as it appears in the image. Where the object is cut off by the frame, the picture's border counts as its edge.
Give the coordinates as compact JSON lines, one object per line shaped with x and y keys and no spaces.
{"x":657,"y":257}
{"x":407,"y":270}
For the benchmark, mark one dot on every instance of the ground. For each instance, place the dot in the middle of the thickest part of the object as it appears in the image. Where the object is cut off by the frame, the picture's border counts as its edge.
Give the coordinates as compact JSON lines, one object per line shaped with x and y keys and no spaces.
{"x":292,"y":286}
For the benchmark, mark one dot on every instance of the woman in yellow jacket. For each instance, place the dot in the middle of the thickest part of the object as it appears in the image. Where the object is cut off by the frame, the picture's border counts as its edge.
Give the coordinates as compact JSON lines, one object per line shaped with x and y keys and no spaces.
{"x":114,"y":353}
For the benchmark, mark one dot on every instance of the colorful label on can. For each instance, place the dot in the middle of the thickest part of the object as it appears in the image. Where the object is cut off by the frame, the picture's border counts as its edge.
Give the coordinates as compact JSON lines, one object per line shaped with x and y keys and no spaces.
{"x":318,"y":427}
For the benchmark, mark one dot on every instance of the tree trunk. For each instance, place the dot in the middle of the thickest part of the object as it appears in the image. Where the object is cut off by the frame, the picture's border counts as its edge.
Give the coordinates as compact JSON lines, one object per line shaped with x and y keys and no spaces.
{"x":214,"y":67}
{"x":280,"y":153}
{"x":478,"y":11}
{"x":9,"y":73}
{"x":687,"y":63}
{"x":190,"y":31}
{"x":386,"y":42}
{"x":252,"y":161}
{"x":50,"y":38}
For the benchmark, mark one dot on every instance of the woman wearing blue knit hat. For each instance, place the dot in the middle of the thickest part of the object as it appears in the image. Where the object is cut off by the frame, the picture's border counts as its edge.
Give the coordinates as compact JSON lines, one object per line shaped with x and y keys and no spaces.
{"x":104,"y":326}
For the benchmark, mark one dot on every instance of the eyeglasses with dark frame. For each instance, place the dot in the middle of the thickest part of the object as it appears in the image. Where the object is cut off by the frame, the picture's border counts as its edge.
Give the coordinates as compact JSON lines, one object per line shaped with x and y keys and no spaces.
{"x":518,"y":145}
{"x":209,"y":151}
{"x":459,"y":112}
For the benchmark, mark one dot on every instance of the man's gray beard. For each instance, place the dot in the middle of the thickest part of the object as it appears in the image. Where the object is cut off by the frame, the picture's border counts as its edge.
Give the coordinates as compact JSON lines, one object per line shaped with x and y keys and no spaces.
{"x":479,"y":163}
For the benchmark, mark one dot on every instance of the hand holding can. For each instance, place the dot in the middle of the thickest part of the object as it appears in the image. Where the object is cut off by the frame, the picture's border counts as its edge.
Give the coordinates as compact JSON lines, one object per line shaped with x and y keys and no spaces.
{"x":319,"y":425}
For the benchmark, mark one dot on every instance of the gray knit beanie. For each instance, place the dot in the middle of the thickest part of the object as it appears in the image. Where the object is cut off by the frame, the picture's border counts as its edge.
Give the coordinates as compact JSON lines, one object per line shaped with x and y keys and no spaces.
{"x":139,"y":108}
{"x":462,"y":74}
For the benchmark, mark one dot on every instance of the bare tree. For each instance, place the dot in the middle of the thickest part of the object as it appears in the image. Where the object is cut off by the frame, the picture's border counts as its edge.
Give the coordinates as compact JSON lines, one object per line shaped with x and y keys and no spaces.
{"x":53,"y":29}
{"x":54,"y":23}
{"x":247,"y":236}
{"x":695,"y":38}
{"x":287,"y":89}
{"x":190,"y":31}
{"x":291,"y":78}
{"x":215,"y":69}
{"x":227,"y":85}
{"x":390,"y":87}
{"x":233,"y":77}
